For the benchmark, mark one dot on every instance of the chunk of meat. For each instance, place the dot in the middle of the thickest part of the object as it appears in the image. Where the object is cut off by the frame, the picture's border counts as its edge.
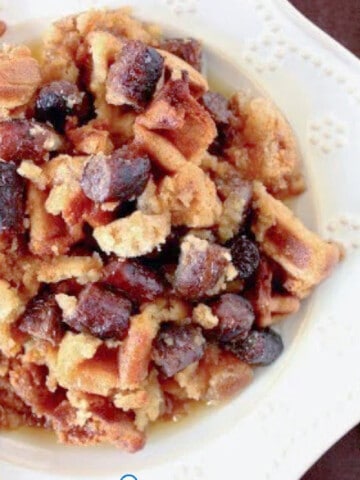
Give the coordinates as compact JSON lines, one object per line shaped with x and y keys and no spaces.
{"x":261,"y":347}
{"x":176,"y":347}
{"x":189,"y":49}
{"x":19,"y":76}
{"x":132,"y":79}
{"x":236,"y":317}
{"x":67,"y":199}
{"x":138,"y":282}
{"x":102,"y":313}
{"x":59,"y":100}
{"x":119,"y":176}
{"x":12,"y":189}
{"x":43,"y":319}
{"x":218,"y":107}
{"x":202,"y":268}
{"x":26,"y":139}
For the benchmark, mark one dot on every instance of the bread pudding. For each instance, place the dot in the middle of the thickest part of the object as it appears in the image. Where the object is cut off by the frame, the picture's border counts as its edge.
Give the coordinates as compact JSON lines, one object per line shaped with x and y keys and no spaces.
{"x":146,"y":251}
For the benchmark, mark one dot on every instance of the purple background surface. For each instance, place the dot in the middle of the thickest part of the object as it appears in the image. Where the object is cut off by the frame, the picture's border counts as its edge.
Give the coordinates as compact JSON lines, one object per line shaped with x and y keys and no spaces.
{"x":341,"y":20}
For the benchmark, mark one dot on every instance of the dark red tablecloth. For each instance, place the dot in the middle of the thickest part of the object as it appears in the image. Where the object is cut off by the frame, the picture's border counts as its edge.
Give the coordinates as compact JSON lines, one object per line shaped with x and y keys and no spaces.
{"x":341,"y":19}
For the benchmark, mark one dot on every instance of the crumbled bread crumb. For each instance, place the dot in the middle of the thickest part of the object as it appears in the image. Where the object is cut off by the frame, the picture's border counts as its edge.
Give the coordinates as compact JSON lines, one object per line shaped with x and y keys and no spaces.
{"x":133,"y":236}
{"x":91,"y":140}
{"x":103,"y":48}
{"x":57,"y":199}
{"x":67,"y":303}
{"x":149,"y":202}
{"x":203,"y":316}
{"x":203,"y":233}
{"x":11,"y":307}
{"x":159,"y":148}
{"x":78,"y":367}
{"x":48,"y":235}
{"x":267,"y":150}
{"x":191,"y":198}
{"x":33,"y":173}
{"x":84,"y":269}
{"x":130,"y":400}
{"x":228,"y":375}
{"x":73,"y":350}
{"x":80,"y":402}
{"x":193,"y":381}
{"x":167,"y":309}
{"x":154,"y":405}
{"x":232,"y":215}
{"x":109,"y":206}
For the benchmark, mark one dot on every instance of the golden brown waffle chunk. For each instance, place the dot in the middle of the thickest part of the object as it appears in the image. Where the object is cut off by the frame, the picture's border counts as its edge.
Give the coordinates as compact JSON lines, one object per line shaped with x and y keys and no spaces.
{"x":84,"y":269}
{"x":19,"y":77}
{"x":14,"y":413}
{"x":216,"y":377}
{"x":159,"y":148}
{"x":91,"y":139}
{"x":264,"y":146}
{"x":11,"y":307}
{"x":181,"y":119}
{"x":135,"y":352}
{"x":191,"y":198}
{"x":48,"y":233}
{"x":305,"y":257}
{"x":133,"y":236}
{"x":84,"y":364}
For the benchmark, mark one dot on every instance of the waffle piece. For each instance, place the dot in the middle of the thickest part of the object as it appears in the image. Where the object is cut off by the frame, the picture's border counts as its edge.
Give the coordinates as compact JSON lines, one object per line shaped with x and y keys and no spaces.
{"x":19,"y":77}
{"x":133,"y":236}
{"x":181,"y":119}
{"x":191,"y":198}
{"x":305,"y":257}
{"x":264,"y":147}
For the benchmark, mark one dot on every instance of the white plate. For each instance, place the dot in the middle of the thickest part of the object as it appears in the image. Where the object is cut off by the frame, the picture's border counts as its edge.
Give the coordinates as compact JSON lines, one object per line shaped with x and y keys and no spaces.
{"x":288,"y":416}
